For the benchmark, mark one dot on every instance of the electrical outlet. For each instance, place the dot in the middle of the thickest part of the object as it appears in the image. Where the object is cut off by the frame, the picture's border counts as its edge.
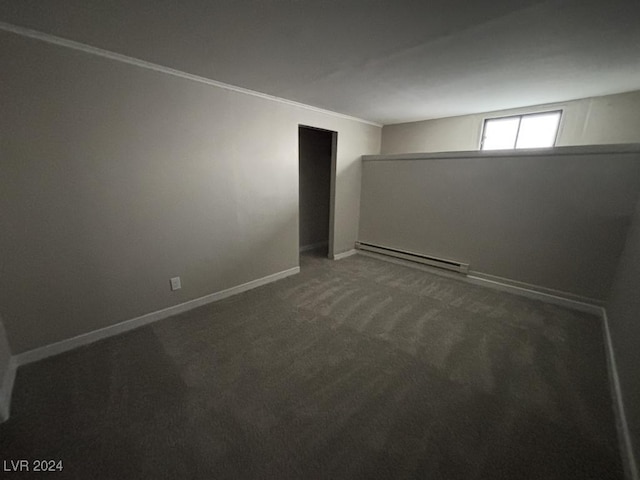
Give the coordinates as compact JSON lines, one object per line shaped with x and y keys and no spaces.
{"x":175,"y":283}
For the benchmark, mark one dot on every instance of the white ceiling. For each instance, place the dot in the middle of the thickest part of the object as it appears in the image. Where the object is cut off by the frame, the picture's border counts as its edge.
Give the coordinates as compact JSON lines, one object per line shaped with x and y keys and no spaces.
{"x":387,"y":61}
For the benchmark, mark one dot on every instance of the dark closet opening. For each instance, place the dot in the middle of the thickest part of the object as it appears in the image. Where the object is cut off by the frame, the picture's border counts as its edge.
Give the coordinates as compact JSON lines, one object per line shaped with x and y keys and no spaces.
{"x":316,"y":170}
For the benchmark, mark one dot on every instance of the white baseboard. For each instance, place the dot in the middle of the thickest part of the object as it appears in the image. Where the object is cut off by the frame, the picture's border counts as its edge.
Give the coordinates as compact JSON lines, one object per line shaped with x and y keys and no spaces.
{"x":563,"y":299}
{"x":313,"y":246}
{"x":6,"y":388}
{"x":348,"y":253}
{"x":415,"y":265}
{"x":624,"y":435}
{"x":90,"y":337}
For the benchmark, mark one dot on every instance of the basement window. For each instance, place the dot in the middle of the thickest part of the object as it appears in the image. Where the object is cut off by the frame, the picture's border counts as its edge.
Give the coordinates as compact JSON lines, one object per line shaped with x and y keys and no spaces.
{"x":532,"y":130}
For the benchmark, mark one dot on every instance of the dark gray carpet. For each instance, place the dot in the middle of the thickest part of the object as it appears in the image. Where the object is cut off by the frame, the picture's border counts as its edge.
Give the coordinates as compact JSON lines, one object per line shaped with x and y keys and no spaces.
{"x":353,"y":369}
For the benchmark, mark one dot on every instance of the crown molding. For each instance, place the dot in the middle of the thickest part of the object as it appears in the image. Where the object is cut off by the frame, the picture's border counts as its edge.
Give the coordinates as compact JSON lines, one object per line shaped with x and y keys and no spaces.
{"x":64,"y":42}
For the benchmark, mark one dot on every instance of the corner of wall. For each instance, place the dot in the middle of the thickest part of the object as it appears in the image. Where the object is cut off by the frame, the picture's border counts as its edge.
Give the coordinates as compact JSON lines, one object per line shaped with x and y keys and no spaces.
{"x":6,"y":389}
{"x":622,"y":332}
{"x":7,"y":375}
{"x":622,"y":426}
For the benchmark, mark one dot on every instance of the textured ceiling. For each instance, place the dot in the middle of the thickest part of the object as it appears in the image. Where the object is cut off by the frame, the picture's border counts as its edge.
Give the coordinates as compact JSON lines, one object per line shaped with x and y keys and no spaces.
{"x":387,"y":61}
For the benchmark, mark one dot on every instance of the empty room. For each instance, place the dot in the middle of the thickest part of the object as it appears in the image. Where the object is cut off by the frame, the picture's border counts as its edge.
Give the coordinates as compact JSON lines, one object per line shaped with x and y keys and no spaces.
{"x":294,"y":239}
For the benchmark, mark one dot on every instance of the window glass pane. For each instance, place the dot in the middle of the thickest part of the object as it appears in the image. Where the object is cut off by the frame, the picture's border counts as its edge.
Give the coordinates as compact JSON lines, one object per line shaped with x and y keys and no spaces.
{"x":539,"y":130}
{"x":500,"y":133}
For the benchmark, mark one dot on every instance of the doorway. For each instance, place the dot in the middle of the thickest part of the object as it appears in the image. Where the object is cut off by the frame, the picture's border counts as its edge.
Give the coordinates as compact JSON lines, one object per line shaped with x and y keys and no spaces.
{"x":316,"y":174}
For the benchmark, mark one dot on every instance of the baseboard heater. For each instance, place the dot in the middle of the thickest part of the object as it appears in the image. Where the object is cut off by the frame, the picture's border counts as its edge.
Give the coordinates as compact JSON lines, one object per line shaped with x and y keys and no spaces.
{"x":415,"y":257}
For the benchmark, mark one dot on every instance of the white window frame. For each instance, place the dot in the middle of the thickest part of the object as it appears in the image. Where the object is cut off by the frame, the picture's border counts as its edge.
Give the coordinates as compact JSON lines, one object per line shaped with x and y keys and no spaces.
{"x":520,"y":115}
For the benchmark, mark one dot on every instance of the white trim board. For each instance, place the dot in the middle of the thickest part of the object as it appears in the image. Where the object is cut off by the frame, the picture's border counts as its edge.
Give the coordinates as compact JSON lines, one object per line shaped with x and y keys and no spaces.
{"x":624,"y":435}
{"x":64,"y":42}
{"x":6,"y":389}
{"x":526,"y":152}
{"x":568,"y":300}
{"x":503,"y":284}
{"x":348,"y":253}
{"x":102,"y":333}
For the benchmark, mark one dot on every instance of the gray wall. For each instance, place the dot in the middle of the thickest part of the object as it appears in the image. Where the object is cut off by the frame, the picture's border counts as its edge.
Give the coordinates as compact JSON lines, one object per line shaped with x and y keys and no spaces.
{"x":623,"y":311}
{"x":315,"y":185}
{"x":555,"y":221}
{"x":592,"y":121}
{"x":116,"y":178}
